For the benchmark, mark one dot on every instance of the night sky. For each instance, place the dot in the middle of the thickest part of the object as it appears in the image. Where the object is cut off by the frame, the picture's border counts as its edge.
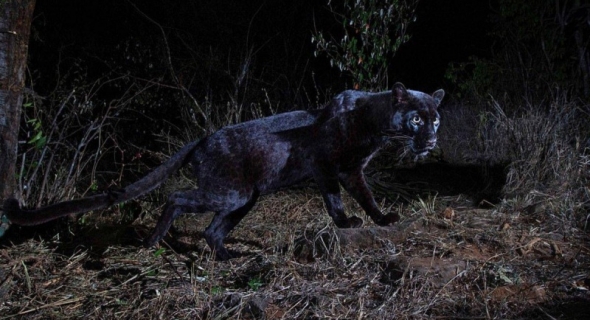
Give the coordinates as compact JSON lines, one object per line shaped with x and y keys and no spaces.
{"x":277,"y":32}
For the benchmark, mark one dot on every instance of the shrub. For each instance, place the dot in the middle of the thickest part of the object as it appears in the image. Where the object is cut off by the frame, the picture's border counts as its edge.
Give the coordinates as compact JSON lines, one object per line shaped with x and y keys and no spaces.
{"x":373,"y":32}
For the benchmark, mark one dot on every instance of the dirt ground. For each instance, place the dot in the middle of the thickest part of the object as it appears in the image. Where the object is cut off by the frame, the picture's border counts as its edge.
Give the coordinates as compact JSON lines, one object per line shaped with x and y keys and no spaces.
{"x":445,"y":259}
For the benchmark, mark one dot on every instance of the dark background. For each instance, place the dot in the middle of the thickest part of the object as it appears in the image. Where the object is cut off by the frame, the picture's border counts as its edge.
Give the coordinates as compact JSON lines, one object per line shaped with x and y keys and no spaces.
{"x":214,"y":36}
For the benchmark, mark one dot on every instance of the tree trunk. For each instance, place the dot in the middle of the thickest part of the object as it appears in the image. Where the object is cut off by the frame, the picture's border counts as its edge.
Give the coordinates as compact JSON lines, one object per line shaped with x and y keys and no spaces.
{"x":15,"y":25}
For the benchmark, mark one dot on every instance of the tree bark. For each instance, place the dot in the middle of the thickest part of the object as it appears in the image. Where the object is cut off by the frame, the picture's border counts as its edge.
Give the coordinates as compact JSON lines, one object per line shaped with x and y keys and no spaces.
{"x":15,"y":25}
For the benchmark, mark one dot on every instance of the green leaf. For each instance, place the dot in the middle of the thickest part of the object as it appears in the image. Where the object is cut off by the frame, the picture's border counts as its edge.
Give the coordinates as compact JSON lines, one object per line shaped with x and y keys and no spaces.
{"x":255,"y":283}
{"x":38,"y":136}
{"x":159,"y":252}
{"x":216,"y":290}
{"x":41,"y":142}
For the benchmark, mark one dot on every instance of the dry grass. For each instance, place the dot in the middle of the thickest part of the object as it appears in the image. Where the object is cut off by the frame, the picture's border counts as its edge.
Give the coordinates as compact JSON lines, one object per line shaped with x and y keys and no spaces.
{"x":293,"y":264}
{"x":546,"y":150}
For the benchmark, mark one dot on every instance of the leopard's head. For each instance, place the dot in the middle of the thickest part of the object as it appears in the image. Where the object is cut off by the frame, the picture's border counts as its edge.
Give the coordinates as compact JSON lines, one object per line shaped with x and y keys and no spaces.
{"x":416,"y":119}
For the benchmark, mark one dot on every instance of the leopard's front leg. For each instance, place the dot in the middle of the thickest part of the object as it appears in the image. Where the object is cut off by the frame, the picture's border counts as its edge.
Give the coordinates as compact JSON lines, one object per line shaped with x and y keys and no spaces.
{"x":354,"y":182}
{"x":327,"y":179}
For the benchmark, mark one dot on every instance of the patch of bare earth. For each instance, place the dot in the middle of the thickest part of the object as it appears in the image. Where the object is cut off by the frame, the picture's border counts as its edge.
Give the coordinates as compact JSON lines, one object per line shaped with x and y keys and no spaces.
{"x":445,"y":259}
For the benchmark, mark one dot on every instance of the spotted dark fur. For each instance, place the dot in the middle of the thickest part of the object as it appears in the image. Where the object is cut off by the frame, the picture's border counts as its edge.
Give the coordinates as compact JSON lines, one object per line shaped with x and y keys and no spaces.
{"x":238,"y":163}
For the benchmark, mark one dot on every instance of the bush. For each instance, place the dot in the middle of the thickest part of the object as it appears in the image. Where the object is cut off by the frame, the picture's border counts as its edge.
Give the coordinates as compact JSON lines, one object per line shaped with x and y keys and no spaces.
{"x":373,"y":32}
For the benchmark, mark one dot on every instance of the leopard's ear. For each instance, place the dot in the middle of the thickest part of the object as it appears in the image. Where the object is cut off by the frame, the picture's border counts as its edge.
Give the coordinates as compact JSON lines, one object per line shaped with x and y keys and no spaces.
{"x":399,"y":93}
{"x":438,"y":95}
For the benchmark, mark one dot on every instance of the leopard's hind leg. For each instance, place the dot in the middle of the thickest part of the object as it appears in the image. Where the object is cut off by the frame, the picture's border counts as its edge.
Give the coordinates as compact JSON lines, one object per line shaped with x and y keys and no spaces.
{"x":230,"y":206}
{"x":178,"y":203}
{"x":224,"y":221}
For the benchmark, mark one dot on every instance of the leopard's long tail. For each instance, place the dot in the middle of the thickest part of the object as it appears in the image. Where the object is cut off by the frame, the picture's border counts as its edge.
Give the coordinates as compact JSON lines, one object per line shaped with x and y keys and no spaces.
{"x":25,"y":217}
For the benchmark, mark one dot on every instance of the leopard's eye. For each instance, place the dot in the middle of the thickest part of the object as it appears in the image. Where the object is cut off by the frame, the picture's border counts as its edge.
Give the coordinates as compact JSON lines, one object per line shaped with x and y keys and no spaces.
{"x":436,"y":121}
{"x":416,"y":120}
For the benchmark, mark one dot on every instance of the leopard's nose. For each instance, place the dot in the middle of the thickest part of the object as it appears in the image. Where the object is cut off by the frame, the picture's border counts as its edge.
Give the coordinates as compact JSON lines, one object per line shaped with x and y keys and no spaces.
{"x":431,"y":143}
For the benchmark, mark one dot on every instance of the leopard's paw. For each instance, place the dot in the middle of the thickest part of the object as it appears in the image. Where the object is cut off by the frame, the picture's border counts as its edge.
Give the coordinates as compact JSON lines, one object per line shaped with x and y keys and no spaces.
{"x":388,"y":219}
{"x":352,"y":222}
{"x":355,"y":222}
